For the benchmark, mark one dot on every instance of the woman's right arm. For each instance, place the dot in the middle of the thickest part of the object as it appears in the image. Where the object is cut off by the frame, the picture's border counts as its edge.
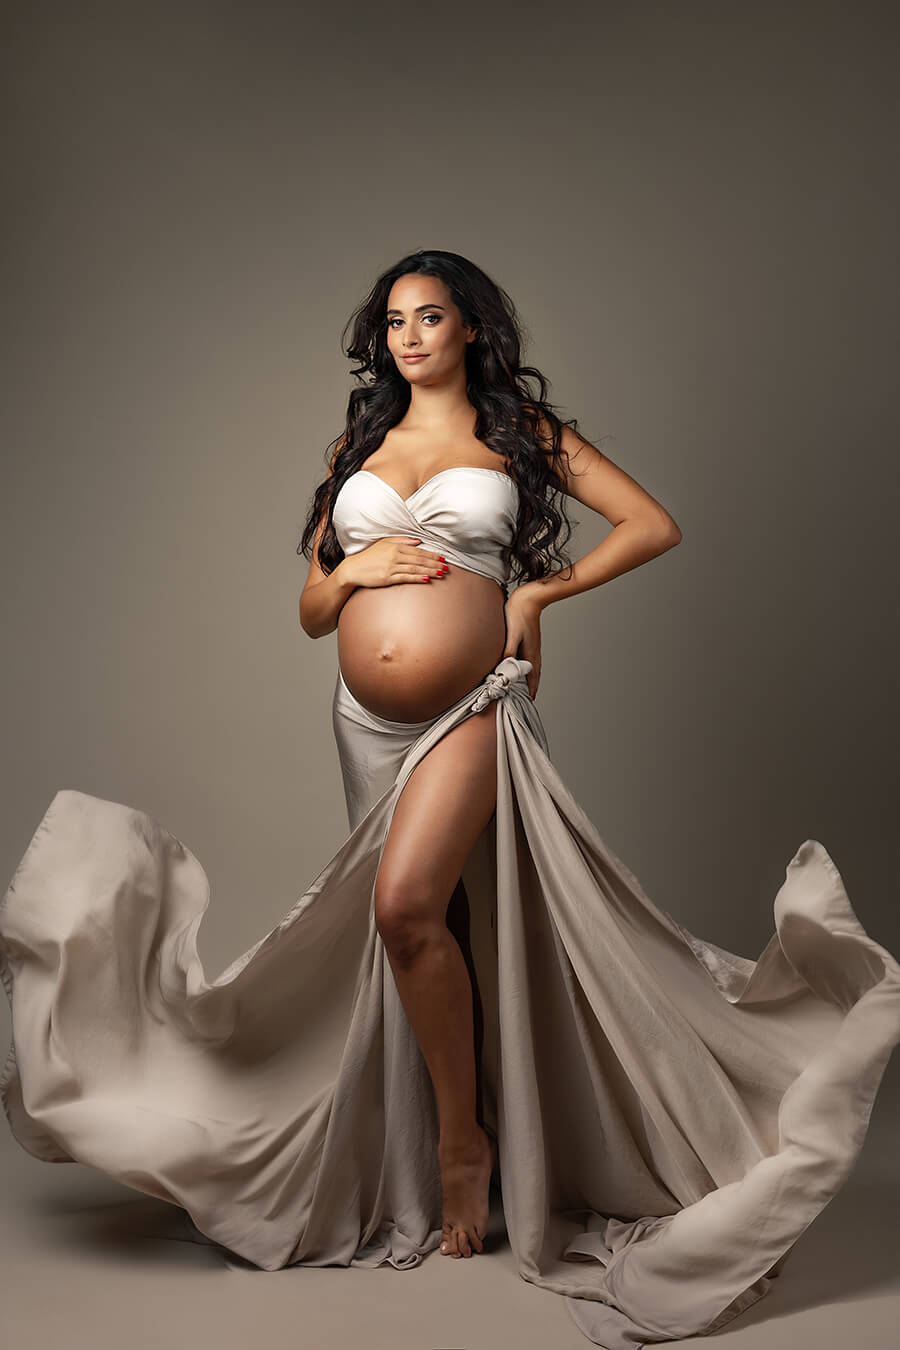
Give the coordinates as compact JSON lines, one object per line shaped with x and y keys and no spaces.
{"x":323,"y":597}
{"x":387,"y":561}
{"x":322,"y":601}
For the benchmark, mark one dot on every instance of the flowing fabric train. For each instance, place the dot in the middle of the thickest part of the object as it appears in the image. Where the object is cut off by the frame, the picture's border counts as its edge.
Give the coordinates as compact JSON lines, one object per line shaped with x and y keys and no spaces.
{"x":671,"y":1116}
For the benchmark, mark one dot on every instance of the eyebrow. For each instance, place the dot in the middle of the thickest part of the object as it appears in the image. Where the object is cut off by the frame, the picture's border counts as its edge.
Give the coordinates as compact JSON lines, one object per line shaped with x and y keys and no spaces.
{"x":418,"y":309}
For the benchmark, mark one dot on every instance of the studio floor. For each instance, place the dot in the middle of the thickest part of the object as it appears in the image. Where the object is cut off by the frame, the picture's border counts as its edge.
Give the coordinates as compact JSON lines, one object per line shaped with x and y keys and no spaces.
{"x":92,"y":1265}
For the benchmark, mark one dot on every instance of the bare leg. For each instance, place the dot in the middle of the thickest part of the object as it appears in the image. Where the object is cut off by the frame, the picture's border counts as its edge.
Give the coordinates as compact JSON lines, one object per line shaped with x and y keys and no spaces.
{"x":445,"y":804}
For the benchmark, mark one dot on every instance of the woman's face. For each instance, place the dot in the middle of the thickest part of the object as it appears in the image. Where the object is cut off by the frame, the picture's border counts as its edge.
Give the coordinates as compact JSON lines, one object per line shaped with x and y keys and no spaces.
{"x":423,"y":321}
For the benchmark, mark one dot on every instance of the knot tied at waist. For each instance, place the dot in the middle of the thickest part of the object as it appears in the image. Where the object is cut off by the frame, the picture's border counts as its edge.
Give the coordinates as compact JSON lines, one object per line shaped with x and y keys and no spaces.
{"x":496,"y":684}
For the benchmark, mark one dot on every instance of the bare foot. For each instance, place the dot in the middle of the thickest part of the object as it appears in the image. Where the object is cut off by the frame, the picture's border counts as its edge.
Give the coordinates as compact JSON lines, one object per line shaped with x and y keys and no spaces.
{"x":465,"y":1180}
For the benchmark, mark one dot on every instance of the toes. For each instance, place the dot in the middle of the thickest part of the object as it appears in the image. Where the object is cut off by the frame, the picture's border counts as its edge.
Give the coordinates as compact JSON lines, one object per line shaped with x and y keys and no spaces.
{"x":457,"y":1242}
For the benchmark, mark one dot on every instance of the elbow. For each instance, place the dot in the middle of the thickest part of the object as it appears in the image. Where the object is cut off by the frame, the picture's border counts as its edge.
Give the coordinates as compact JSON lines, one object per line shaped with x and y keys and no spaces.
{"x":304,"y":624}
{"x":669,"y":533}
{"x":312,"y":631}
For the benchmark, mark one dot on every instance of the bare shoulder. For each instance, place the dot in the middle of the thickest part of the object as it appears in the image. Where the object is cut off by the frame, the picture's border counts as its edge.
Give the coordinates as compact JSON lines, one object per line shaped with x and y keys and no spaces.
{"x":591,"y":477}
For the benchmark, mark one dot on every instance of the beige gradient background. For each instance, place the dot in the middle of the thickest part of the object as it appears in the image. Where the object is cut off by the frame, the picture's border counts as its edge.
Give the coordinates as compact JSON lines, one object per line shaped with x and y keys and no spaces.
{"x":694,"y":206}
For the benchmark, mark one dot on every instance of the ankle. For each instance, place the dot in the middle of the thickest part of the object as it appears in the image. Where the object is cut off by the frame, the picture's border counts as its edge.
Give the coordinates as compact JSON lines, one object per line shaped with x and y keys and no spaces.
{"x":461,"y":1137}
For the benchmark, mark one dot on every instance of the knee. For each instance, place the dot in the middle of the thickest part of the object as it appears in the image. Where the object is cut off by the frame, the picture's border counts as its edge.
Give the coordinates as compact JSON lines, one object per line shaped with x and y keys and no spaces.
{"x":402,"y":919}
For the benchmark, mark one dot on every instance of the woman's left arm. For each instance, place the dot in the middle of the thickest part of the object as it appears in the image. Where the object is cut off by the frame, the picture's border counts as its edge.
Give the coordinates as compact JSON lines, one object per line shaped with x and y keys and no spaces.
{"x":643,"y":529}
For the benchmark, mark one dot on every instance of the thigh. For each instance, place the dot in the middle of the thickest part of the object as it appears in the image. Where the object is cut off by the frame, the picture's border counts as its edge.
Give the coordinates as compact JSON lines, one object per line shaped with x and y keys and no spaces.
{"x":442,"y":809}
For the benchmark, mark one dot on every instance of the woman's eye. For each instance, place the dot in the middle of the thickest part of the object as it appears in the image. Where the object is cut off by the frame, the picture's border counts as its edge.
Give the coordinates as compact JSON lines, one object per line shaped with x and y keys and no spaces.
{"x":436,"y":317}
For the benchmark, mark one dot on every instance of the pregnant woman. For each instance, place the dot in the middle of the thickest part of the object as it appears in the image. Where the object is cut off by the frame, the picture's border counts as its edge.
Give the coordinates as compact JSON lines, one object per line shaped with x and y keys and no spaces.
{"x":474,"y":985}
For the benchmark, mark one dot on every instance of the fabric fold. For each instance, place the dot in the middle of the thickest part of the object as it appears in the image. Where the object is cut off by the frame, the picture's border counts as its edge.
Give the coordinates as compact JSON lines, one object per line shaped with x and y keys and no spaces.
{"x":671,"y":1116}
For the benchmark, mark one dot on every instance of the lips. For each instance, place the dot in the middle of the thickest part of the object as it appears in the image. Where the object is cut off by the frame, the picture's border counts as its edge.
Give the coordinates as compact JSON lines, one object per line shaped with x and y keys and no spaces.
{"x":420,"y":357}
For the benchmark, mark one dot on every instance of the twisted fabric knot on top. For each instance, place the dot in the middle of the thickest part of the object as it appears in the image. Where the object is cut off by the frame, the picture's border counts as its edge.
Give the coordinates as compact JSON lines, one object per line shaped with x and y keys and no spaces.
{"x":497,"y":683}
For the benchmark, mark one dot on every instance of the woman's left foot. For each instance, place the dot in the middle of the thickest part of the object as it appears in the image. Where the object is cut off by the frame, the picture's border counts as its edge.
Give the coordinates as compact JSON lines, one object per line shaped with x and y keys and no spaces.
{"x":465,"y":1181}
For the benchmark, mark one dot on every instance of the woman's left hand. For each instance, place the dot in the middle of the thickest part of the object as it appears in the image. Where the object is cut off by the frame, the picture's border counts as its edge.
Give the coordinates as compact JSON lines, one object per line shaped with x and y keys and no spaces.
{"x":523,"y":633}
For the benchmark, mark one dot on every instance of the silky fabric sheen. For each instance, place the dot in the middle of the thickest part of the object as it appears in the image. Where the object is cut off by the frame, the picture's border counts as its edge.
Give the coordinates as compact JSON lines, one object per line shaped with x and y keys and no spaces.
{"x":467,"y":512}
{"x":670,"y":1116}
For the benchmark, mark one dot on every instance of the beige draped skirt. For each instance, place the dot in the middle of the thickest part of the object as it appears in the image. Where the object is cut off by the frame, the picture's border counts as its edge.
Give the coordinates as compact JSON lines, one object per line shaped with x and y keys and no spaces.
{"x":670,"y":1116}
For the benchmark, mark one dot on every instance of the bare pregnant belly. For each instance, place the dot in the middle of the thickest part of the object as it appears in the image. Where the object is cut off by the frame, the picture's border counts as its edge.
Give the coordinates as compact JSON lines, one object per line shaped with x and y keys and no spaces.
{"x":411,"y":650}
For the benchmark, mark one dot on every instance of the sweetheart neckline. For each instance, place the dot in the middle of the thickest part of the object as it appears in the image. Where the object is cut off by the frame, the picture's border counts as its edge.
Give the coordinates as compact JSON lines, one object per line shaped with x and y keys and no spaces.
{"x":453,"y":468}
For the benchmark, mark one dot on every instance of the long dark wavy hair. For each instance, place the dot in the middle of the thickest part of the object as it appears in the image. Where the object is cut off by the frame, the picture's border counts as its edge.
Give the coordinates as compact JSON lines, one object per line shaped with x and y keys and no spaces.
{"x":508,"y":412}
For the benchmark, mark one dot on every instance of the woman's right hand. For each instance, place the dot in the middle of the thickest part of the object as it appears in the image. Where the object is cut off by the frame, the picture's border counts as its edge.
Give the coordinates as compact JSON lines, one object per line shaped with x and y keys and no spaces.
{"x":390,"y":560}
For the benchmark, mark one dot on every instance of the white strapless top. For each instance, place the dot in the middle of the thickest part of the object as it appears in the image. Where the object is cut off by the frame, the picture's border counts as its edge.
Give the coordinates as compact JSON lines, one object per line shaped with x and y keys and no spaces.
{"x":465,"y":512}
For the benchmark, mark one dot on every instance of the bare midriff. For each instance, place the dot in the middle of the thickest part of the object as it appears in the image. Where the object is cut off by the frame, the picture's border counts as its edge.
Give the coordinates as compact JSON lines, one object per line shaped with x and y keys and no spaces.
{"x":410,"y":650}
